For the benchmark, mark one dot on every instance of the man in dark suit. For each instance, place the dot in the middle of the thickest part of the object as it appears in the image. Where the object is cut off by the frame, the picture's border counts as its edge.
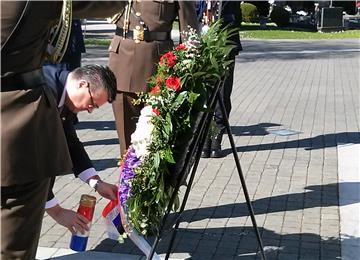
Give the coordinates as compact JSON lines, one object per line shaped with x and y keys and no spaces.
{"x":230,"y":12}
{"x":82,"y":89}
{"x":33,"y":145}
{"x":142,"y":35}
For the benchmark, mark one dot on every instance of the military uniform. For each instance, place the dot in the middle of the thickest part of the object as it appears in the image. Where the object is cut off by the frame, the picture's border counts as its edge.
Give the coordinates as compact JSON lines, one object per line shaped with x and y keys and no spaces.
{"x":33,"y":145}
{"x":142,"y":36}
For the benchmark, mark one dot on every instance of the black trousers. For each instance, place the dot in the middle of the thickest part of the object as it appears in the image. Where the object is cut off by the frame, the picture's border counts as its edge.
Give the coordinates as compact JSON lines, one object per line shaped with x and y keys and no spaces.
{"x":22,"y":211}
{"x":225,"y":94}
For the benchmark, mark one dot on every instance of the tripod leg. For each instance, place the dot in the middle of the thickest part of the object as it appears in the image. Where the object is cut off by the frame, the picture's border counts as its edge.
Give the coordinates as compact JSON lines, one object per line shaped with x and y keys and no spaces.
{"x":187,"y":192}
{"x":204,"y":128}
{"x":242,"y":179}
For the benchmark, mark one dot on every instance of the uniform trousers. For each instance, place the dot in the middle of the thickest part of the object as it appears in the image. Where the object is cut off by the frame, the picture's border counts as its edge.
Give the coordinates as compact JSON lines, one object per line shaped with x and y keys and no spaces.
{"x":126,"y":116}
{"x":22,"y":211}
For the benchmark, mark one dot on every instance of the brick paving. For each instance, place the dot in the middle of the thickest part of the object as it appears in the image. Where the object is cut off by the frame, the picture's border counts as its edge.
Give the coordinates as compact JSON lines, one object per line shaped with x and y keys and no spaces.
{"x":310,"y":87}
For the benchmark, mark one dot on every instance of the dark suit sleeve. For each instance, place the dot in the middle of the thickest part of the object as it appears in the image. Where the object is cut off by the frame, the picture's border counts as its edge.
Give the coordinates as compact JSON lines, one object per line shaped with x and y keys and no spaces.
{"x":79,"y":156}
{"x":231,"y":15}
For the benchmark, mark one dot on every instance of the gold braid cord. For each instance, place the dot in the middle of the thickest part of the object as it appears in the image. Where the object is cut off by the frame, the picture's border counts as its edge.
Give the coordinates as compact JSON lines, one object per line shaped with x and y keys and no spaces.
{"x":59,"y":40}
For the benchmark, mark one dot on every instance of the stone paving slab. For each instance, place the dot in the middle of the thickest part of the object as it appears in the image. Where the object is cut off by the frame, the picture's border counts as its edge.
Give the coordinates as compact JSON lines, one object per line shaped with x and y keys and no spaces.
{"x":292,"y":179}
{"x":349,"y":199}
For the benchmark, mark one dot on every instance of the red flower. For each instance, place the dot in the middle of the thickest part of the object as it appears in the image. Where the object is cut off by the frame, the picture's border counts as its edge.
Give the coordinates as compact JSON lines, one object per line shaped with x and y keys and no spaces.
{"x":173,"y":83}
{"x":155,"y":90}
{"x":168,"y":59}
{"x":156,"y":111}
{"x":180,"y":47}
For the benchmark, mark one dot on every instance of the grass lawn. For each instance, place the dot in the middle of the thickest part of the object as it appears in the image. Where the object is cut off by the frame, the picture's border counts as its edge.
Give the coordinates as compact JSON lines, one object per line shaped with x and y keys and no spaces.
{"x":253,"y":31}
{"x":94,"y":41}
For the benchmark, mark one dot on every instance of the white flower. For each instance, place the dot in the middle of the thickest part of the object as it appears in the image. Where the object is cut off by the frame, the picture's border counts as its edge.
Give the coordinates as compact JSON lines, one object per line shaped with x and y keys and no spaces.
{"x":205,"y":29}
{"x":141,"y":138}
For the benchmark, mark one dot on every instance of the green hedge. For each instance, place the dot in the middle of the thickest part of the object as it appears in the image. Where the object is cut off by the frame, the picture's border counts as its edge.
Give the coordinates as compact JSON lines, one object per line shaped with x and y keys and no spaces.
{"x":250,"y":13}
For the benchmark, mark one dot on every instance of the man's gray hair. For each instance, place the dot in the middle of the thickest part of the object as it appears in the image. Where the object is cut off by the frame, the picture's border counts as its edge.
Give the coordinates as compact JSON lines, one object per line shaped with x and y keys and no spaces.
{"x":99,"y":77}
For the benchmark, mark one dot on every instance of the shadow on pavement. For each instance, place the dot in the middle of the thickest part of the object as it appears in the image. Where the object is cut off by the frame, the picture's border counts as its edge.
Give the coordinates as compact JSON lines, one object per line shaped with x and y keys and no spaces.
{"x":97,"y":125}
{"x":103,"y":164}
{"x":102,"y":142}
{"x":317,"y":142}
{"x":252,"y":57}
{"x":240,"y":242}
{"x":297,"y":49}
{"x":313,"y":196}
{"x":250,"y":130}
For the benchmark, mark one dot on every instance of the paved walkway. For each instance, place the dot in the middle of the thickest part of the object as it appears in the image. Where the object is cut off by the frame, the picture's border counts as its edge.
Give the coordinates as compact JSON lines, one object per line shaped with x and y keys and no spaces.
{"x":293,"y":103}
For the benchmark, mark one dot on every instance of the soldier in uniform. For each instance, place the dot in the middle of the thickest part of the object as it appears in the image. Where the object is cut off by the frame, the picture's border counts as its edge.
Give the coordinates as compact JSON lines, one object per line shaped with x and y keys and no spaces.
{"x":140,"y":39}
{"x":33,"y":145}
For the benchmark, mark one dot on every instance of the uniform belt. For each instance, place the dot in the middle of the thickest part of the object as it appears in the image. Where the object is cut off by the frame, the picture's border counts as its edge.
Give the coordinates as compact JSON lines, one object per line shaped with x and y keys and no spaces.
{"x":144,"y":35}
{"x":26,"y":80}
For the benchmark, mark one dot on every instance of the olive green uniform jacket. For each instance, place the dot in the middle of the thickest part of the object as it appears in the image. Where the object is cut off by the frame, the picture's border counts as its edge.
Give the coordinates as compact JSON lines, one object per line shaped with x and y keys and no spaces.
{"x":33,"y":145}
{"x":133,"y":63}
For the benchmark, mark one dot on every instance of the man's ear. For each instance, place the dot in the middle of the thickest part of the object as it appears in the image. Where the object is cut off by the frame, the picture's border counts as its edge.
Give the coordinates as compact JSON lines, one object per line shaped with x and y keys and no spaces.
{"x":83,"y":83}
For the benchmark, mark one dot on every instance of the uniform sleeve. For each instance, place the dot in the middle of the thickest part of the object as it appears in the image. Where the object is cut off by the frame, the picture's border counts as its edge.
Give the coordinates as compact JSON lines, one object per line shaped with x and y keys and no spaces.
{"x":97,"y":9}
{"x":51,"y":200}
{"x":187,"y":15}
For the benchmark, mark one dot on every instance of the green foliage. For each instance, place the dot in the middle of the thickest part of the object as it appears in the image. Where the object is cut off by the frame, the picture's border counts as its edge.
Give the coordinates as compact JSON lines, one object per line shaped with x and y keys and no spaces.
{"x":280,"y":16}
{"x":249,"y":12}
{"x":198,"y":65}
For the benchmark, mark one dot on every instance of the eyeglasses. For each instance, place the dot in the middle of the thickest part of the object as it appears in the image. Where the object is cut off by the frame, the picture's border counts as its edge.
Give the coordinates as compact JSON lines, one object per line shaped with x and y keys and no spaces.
{"x":93,"y":105}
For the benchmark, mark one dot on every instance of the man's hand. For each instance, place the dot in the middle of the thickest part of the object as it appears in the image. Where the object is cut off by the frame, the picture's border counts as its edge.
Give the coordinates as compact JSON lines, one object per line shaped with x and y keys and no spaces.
{"x":69,"y":219}
{"x":107,"y":190}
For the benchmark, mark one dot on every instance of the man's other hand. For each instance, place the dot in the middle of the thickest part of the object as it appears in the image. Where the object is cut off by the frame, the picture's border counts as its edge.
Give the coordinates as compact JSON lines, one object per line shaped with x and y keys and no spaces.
{"x":69,"y":219}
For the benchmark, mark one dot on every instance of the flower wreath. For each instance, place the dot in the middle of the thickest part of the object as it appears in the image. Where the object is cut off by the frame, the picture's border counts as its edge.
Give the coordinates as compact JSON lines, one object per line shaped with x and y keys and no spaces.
{"x":177,"y":92}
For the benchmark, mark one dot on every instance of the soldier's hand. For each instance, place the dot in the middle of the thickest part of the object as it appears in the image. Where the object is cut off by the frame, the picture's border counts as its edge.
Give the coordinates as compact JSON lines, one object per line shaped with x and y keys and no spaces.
{"x":69,"y":219}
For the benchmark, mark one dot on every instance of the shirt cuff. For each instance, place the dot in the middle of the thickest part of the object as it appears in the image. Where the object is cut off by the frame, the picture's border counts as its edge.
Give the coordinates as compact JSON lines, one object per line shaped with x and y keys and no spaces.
{"x":88,"y":173}
{"x":51,"y":203}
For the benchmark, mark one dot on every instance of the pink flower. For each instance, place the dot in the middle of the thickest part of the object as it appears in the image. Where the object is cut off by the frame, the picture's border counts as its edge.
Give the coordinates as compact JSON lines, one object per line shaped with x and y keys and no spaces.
{"x":173,"y":83}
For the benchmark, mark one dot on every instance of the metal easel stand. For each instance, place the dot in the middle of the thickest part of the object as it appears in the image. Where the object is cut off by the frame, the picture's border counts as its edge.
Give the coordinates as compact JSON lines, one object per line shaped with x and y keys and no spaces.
{"x":195,"y":149}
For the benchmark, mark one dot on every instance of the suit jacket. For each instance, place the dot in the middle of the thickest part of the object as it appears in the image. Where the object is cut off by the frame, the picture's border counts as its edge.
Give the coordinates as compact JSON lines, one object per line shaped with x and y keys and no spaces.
{"x":56,"y":76}
{"x":33,"y":145}
{"x":231,"y":15}
{"x":133,"y":63}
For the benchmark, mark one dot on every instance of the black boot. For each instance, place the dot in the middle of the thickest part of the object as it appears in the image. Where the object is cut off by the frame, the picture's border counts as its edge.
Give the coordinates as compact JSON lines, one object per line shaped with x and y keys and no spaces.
{"x":216,"y":151}
{"x":205,"y":153}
